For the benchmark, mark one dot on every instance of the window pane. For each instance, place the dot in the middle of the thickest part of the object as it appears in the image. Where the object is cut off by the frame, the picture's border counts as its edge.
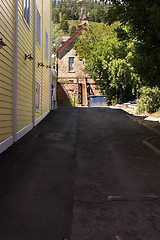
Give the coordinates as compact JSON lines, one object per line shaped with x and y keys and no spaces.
{"x":27,"y":11}
{"x":38,"y":28}
{"x":71,"y":63}
{"x":37,"y":97}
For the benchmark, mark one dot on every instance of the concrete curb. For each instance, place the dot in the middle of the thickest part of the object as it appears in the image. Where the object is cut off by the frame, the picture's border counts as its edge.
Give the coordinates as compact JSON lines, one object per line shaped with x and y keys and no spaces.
{"x":143,"y":124}
{"x":145,"y":141}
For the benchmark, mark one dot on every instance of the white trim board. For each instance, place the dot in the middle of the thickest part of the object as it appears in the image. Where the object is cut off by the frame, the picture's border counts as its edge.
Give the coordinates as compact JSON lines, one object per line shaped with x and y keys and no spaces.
{"x":5,"y":144}
{"x":38,"y":120}
{"x":8,"y":142}
{"x":23,"y":131}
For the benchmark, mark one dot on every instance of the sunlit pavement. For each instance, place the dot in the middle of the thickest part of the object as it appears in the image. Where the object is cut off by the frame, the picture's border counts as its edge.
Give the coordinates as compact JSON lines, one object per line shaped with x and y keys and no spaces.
{"x":81,"y":174}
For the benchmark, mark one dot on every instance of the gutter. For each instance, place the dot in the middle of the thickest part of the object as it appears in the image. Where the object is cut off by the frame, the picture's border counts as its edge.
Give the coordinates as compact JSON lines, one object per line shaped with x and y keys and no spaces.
{"x":15,"y":72}
{"x":51,"y":59}
{"x":34,"y":64}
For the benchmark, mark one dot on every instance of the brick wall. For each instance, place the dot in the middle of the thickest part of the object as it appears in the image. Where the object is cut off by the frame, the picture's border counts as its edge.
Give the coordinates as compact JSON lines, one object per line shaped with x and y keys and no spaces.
{"x":67,"y":90}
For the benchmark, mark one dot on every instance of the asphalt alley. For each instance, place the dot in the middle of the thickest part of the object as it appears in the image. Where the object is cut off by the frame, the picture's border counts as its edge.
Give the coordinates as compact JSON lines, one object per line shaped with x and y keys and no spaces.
{"x":81,"y":174}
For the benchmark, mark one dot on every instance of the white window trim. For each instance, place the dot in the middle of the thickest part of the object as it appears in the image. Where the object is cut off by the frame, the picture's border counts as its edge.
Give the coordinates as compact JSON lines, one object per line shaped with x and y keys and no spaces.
{"x":25,"y":20}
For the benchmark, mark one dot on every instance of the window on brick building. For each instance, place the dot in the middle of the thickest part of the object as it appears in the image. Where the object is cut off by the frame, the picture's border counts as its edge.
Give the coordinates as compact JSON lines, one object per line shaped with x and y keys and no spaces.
{"x":71,"y":63}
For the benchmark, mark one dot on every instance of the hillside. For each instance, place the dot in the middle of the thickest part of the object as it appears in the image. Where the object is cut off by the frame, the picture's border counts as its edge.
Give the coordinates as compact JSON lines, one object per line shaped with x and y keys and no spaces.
{"x":57,"y":32}
{"x":66,"y":15}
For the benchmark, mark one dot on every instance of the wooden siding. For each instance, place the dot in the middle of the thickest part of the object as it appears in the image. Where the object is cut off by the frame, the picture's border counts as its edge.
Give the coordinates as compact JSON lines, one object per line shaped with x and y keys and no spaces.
{"x":6,"y":69}
{"x":24,"y":68}
{"x":46,"y":72}
{"x":25,"y":72}
{"x":43,"y":73}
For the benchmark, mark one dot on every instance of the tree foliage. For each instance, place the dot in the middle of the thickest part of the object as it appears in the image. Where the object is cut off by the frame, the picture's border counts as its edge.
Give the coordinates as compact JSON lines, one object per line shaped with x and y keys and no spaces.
{"x":65,"y":26}
{"x":109,"y":60}
{"x":149,"y":99}
{"x":72,"y":10}
{"x":73,"y":30}
{"x":144,"y":17}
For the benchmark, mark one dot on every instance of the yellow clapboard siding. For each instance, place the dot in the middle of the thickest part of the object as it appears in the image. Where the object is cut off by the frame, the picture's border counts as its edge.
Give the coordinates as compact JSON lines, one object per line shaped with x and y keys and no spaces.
{"x":23,"y":124}
{"x":23,"y":112}
{"x":37,"y":115}
{"x":5,"y":124}
{"x":5,"y":117}
{"x":24,"y":88}
{"x":6,"y":98}
{"x":6,"y":105}
{"x":5,"y":130}
{"x":4,"y":111}
{"x":9,"y":5}
{"x":8,"y":25}
{"x":6,"y":86}
{"x":25,"y":70}
{"x":23,"y":118}
{"x":9,"y":49}
{"x":20,"y":127}
{"x":24,"y":33}
{"x":8,"y":52}
{"x":25,"y":108}
{"x":24,"y":121}
{"x":6,"y":15}
{"x":6,"y":92}
{"x":5,"y":136}
{"x":9,"y":40}
{"x":7,"y":61}
{"x":7,"y":78}
{"x":23,"y":93}
{"x":24,"y":104}
{"x":5,"y":68}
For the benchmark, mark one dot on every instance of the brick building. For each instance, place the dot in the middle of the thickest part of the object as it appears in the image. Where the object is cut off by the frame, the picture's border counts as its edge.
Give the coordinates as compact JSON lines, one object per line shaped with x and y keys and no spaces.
{"x":74,"y":85}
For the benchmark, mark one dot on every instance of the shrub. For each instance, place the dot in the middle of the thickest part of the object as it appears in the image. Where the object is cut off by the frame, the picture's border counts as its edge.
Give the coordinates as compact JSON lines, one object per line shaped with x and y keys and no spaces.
{"x":149,"y":100}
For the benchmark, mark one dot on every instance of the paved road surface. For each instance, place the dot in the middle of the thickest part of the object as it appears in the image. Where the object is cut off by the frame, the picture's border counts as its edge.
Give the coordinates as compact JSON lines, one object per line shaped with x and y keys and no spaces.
{"x":81,"y":174}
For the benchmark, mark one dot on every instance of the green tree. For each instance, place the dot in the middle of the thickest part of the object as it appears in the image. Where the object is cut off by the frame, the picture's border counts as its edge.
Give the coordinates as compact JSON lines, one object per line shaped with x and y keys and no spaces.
{"x":110,"y":61}
{"x":144,"y":17}
{"x":65,"y":26}
{"x":56,"y":16}
{"x":73,"y":30}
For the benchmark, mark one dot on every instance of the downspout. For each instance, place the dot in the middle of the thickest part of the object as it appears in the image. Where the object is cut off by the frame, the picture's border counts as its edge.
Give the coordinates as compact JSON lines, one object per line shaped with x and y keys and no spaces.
{"x":15,"y":72}
{"x":51,"y":60}
{"x":42,"y":49}
{"x":34,"y":63}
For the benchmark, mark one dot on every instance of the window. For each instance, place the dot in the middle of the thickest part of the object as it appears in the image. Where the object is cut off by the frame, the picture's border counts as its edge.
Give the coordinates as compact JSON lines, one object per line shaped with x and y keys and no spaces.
{"x":38,"y":28}
{"x":27,"y":11}
{"x":46,"y":45}
{"x":71,"y":63}
{"x":37,"y":96}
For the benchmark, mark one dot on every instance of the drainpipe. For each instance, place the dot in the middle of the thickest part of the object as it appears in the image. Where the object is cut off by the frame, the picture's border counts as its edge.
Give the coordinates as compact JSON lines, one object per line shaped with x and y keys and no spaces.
{"x":15,"y":72}
{"x":51,"y":60}
{"x":34,"y":63}
{"x":42,"y":49}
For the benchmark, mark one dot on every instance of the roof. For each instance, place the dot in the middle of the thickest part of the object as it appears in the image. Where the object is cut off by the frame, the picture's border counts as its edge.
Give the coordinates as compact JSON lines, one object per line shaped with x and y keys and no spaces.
{"x":71,"y":39}
{"x":64,"y":39}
